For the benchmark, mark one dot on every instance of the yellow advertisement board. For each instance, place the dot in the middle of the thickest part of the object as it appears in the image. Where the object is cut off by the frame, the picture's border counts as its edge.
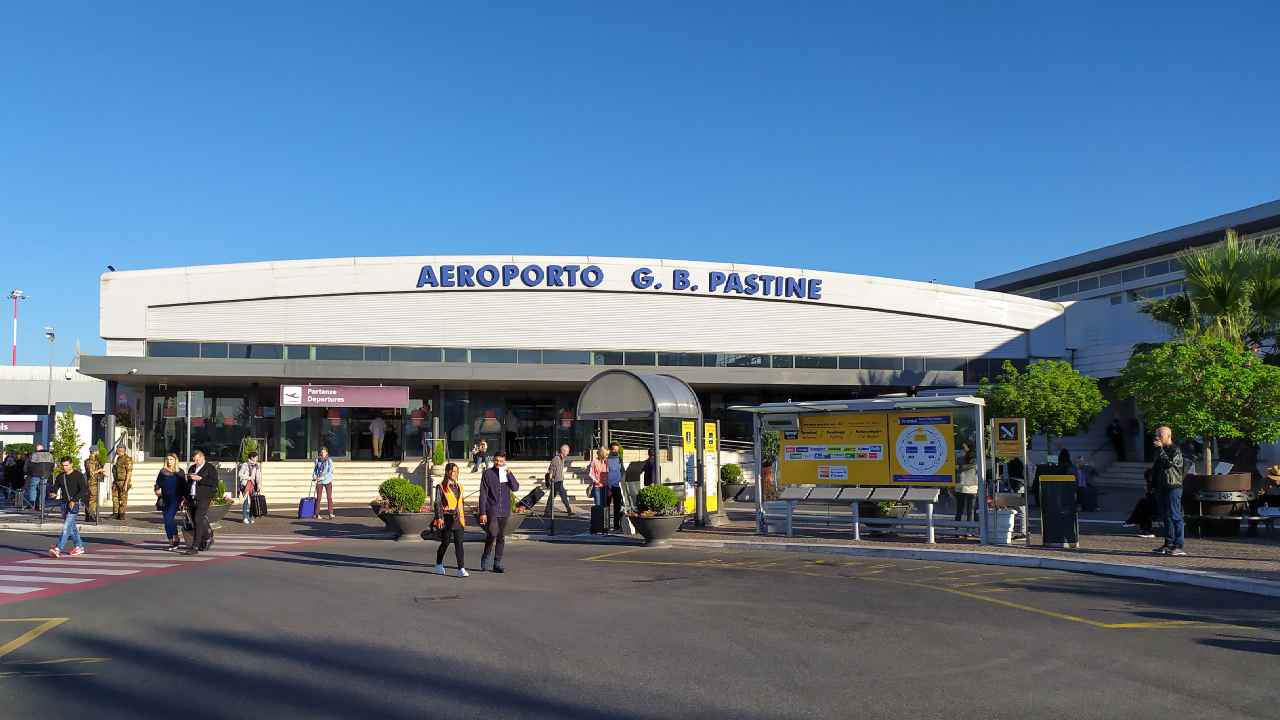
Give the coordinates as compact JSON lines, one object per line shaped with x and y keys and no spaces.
{"x":836,"y":449}
{"x":1007,"y":433}
{"x":711,"y":463}
{"x":921,"y":447}
{"x":689,"y":443}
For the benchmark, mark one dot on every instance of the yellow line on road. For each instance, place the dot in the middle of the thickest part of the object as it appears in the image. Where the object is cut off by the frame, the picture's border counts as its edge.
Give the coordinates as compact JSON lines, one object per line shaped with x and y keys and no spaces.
{"x":46,"y":624}
{"x":615,"y":553}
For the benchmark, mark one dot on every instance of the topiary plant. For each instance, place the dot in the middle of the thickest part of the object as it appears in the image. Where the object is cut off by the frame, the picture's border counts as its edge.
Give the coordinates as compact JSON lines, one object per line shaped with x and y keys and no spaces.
{"x":250,"y":445}
{"x":220,"y":494}
{"x":730,"y":474}
{"x":401,"y":495}
{"x":656,"y":500}
{"x":437,"y":455}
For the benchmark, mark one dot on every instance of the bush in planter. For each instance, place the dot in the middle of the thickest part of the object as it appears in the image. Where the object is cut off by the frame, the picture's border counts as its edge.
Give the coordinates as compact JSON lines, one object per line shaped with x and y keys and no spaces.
{"x":656,"y":500}
{"x":730,"y":474}
{"x":250,"y":446}
{"x":437,"y":455}
{"x":220,"y":494}
{"x":402,"y":496}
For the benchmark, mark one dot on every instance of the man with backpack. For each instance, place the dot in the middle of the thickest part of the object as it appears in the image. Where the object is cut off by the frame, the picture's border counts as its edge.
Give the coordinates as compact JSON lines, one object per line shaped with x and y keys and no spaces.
{"x":1167,"y":471}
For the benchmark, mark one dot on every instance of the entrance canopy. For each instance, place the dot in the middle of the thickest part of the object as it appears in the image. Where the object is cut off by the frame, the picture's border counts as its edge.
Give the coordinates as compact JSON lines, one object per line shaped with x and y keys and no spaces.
{"x":627,"y":395}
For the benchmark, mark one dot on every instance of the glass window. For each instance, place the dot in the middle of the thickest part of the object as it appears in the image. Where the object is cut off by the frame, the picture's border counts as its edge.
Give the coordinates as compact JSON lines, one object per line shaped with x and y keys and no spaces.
{"x":529,"y":357}
{"x":873,"y":362}
{"x":819,"y":362}
{"x":1088,"y":284}
{"x":1109,"y":279}
{"x":415,"y":354}
{"x":297,"y":352}
{"x":735,"y":360}
{"x":1158,"y":268}
{"x":455,"y":355}
{"x":642,"y":359}
{"x":1069,"y":288}
{"x":376,"y":353}
{"x":1155,"y":292}
{"x":213,"y":350}
{"x":1133,"y":274}
{"x":173,"y":349}
{"x":680,"y":359}
{"x":1049,"y":293}
{"x":944,"y":364}
{"x":978,"y":368}
{"x":340,"y":352}
{"x":1173,"y":289}
{"x":493,"y":355}
{"x":848,"y":362}
{"x":243,"y":351}
{"x":913,"y":364}
{"x":566,"y":357}
{"x":783,"y":361}
{"x":608,"y":358}
{"x":1117,"y":299}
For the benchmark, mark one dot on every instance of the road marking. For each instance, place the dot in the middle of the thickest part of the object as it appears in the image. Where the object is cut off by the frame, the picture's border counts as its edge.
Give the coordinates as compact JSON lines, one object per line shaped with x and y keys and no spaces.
{"x":1007,"y":580}
{"x":45,"y":579}
{"x":97,"y":563}
{"x":46,"y":624}
{"x":18,"y":589}
{"x":922,"y":567}
{"x":67,"y":570}
{"x":615,"y":553}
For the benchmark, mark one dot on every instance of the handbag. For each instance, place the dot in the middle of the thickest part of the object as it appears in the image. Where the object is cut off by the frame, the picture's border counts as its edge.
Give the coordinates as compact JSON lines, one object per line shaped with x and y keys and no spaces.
{"x":160,"y":504}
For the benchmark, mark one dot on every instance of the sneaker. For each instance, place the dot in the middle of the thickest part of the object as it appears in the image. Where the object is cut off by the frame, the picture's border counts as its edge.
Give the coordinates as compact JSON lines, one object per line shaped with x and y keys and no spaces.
{"x":76,"y":551}
{"x":1178,"y":552}
{"x":439,"y":569}
{"x":1147,"y":535}
{"x":55,"y":552}
{"x":498,"y":569}
{"x":484,"y":565}
{"x":1162,"y":550}
{"x":462,"y":572}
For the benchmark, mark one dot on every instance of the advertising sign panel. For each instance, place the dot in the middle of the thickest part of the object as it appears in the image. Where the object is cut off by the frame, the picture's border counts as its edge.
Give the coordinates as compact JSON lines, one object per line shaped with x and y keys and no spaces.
{"x":1008,"y":437}
{"x":359,"y":396}
{"x":837,"y":449}
{"x":921,"y":444}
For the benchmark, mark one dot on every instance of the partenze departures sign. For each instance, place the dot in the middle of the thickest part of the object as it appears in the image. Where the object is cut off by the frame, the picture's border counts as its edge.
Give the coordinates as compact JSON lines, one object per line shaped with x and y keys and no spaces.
{"x":642,"y":278}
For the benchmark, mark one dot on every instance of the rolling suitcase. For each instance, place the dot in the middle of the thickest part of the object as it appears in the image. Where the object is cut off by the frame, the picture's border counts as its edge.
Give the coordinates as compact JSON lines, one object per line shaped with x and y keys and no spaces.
{"x":597,"y":520}
{"x":530,"y":500}
{"x":258,"y":505}
{"x":307,"y":507}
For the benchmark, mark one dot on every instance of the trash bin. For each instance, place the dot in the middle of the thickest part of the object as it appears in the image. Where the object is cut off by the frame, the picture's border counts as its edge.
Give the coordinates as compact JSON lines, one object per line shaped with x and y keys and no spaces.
{"x":1059,"y":521}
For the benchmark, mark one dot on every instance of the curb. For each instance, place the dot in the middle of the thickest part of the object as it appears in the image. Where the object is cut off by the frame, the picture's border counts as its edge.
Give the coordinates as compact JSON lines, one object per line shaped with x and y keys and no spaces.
{"x":1195,"y":578}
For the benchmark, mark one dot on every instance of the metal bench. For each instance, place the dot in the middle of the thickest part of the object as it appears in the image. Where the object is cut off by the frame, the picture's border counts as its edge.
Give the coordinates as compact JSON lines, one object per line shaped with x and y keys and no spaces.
{"x":783,"y":509}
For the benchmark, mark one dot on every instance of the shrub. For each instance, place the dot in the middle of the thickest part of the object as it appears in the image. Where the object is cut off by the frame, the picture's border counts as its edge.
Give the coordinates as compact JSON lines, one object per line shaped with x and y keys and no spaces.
{"x":401,"y":495}
{"x":100,"y":452}
{"x":220,"y":494}
{"x":250,"y":446}
{"x":20,"y":448}
{"x":656,"y":499}
{"x":730,"y":474}
{"x":437,"y":455}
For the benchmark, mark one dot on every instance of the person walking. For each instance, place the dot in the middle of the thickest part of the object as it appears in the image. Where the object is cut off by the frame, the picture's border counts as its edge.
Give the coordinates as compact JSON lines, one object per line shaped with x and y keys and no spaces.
{"x":1166,"y":474}
{"x":202,"y":479}
{"x":649,"y":474}
{"x":967,"y":489}
{"x":496,"y":485}
{"x":72,"y":489}
{"x":599,"y":473}
{"x":121,"y":481}
{"x":39,"y":470}
{"x":94,"y":473}
{"x":378,"y":429}
{"x":249,"y":478}
{"x":450,"y":519}
{"x":613,"y":477}
{"x":322,"y":475}
{"x":555,"y":478}
{"x":1115,"y":434}
{"x":169,"y":488}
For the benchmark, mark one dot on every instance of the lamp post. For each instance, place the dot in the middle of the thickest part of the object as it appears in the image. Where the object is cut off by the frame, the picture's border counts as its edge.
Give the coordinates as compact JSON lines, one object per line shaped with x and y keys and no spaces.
{"x":15,"y":296}
{"x":51,"y":335}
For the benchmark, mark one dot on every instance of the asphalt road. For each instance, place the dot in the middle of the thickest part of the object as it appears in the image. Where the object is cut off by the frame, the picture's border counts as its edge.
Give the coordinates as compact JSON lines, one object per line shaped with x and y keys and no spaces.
{"x":360,"y":628}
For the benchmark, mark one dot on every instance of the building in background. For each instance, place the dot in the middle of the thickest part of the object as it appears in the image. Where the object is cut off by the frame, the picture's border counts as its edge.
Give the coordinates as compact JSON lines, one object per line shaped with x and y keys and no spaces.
{"x":24,"y":392}
{"x":497,"y":348}
{"x":1102,"y":290}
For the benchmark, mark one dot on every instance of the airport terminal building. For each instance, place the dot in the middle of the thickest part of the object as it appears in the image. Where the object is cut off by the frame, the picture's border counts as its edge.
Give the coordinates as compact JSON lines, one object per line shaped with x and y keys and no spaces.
{"x":327,"y":352}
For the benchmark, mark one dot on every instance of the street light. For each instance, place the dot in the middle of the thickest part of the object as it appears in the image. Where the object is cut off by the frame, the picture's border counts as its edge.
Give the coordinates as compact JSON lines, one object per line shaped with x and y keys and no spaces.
{"x":16,"y":295}
{"x":51,"y":335}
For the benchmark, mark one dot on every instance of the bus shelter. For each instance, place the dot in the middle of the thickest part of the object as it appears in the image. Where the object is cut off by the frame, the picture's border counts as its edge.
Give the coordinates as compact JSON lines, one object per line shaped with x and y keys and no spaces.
{"x":629,"y":395}
{"x":908,"y":442}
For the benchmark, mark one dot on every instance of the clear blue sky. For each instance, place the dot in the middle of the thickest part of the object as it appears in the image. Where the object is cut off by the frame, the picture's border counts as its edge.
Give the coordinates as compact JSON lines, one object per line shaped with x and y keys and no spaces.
{"x":941,"y":142}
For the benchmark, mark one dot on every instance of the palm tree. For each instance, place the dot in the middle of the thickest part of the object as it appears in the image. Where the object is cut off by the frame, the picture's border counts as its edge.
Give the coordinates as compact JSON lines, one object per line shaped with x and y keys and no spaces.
{"x":1231,"y":291}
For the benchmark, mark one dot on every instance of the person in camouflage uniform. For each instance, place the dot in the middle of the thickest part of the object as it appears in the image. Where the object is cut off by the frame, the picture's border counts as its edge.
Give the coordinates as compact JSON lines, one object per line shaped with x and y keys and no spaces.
{"x":122,"y":480}
{"x":93,"y":475}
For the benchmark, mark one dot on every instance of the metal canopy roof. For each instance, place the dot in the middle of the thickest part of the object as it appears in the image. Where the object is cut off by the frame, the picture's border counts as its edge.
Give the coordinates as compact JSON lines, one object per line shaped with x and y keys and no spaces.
{"x":871,"y":405}
{"x":627,"y":395}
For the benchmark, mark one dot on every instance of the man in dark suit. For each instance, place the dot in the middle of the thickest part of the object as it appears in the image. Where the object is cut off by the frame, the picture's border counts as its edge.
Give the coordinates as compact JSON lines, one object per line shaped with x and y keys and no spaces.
{"x":202,"y":478}
{"x":496,"y":485}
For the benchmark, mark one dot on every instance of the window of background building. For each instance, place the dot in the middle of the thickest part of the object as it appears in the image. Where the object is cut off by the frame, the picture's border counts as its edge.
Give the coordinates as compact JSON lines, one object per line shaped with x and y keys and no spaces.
{"x":349,"y":353}
{"x":213,"y":350}
{"x":1049,"y":293}
{"x":415,"y":354}
{"x":1109,"y":279}
{"x":1068,"y":288}
{"x":529,"y":357}
{"x":246,"y":351}
{"x":566,"y":357}
{"x":377,"y":353}
{"x":456,"y":355}
{"x":873,"y":362}
{"x":944,"y":364}
{"x":641,"y":359}
{"x":608,"y":358}
{"x":493,"y":355}
{"x":913,"y":364}
{"x":173,"y":349}
{"x":680,"y":359}
{"x":783,"y":361}
{"x":1158,"y":268}
{"x":816,"y":362}
{"x":1088,"y":284}
{"x":848,"y":362}
{"x":297,"y":352}
{"x":1133,"y":274}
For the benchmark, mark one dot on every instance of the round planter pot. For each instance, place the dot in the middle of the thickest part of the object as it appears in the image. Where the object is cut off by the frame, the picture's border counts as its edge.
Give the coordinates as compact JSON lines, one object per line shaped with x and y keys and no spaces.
{"x":408,"y":527}
{"x":513,"y":524}
{"x":730,"y":491}
{"x":657,"y":530}
{"x":384,"y":517}
{"x":217,"y":513}
{"x":1232,"y":482}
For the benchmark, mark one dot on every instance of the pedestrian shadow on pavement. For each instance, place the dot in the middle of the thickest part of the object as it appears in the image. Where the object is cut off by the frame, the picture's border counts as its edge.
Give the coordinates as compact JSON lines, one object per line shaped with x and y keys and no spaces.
{"x":1266,"y":647}
{"x":338,"y":560}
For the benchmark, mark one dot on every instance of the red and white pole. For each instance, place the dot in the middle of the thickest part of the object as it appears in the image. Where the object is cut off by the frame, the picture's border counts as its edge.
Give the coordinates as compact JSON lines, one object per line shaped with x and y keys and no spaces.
{"x":14,"y":359}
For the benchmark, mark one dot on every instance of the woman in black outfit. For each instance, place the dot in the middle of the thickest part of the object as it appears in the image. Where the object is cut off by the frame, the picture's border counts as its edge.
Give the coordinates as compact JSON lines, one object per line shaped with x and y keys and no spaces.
{"x":450,"y":519}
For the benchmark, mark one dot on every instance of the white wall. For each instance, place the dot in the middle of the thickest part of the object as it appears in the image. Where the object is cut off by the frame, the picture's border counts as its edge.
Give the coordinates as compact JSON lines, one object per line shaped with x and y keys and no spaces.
{"x":1104,"y":334}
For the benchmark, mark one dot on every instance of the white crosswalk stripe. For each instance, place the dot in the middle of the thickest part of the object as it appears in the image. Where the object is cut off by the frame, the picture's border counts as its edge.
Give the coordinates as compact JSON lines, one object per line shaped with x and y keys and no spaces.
{"x":46,"y":579}
{"x":68,"y":570}
{"x":17,"y":589}
{"x":96,"y":563}
{"x":161,"y":555}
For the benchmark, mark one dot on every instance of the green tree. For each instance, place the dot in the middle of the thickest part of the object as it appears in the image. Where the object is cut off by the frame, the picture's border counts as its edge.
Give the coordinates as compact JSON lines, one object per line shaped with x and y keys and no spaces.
{"x":1205,"y":386}
{"x":66,"y":440}
{"x":1231,"y":291}
{"x":1054,"y":397}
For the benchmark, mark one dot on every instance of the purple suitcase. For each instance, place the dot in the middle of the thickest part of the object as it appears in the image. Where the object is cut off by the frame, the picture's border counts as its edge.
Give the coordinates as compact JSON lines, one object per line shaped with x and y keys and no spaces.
{"x":307,"y":507}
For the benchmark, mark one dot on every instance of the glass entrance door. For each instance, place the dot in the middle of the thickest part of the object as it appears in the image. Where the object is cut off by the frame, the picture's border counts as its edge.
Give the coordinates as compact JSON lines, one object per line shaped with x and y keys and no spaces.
{"x":530,"y":429}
